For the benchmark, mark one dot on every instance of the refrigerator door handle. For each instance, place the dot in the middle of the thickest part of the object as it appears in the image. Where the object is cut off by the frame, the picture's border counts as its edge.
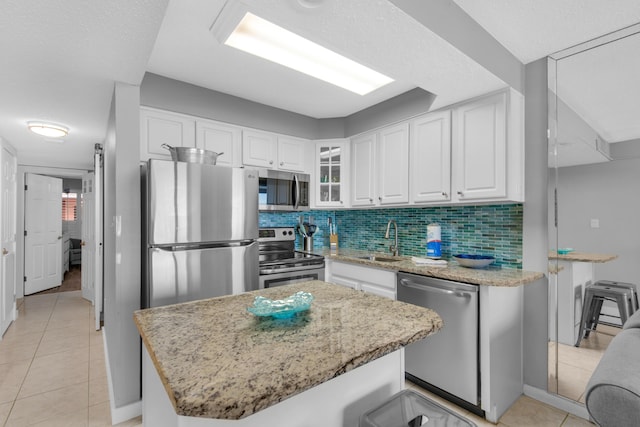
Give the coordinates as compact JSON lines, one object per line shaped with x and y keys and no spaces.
{"x":296,"y":184}
{"x":175,"y":248}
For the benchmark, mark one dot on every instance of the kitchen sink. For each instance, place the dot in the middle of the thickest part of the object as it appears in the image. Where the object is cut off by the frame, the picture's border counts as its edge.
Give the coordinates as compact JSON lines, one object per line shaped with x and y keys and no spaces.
{"x":379,"y":258}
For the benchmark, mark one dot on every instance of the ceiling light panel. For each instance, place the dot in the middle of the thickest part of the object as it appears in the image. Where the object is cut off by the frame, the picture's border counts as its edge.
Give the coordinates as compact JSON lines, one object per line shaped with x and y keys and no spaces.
{"x":48,"y":129}
{"x":262,"y":38}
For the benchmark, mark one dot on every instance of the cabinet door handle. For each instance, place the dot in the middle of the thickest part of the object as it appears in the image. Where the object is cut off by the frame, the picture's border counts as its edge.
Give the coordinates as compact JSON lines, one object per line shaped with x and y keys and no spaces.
{"x":460,"y":194}
{"x":281,"y":163}
{"x":444,"y":194}
{"x":370,"y":200}
{"x":5,"y":251}
{"x":270,"y":162}
{"x":59,"y":237}
{"x":379,"y":198}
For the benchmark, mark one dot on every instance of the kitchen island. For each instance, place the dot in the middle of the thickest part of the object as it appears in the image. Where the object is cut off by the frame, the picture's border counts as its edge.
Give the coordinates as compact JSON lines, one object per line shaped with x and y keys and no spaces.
{"x":211,"y":363}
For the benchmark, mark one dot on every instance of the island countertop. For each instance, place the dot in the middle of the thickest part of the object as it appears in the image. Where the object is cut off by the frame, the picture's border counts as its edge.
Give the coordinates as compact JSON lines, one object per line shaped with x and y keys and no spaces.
{"x":216,"y":360}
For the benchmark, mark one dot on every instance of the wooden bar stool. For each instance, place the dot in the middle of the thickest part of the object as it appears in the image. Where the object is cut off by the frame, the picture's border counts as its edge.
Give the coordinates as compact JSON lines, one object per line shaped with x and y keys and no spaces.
{"x":624,"y":295}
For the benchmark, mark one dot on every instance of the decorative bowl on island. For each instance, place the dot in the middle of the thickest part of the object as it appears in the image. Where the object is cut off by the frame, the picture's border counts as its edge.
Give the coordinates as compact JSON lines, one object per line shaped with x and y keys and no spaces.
{"x":474,"y":261}
{"x":281,"y":308}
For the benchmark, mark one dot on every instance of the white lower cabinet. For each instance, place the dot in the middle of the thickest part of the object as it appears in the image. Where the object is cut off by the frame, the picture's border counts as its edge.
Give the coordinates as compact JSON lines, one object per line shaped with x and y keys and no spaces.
{"x":367,"y":279}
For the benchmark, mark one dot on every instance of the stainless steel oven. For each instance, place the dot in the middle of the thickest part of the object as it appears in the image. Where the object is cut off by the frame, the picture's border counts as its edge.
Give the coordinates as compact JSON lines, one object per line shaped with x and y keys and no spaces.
{"x":280,"y":264}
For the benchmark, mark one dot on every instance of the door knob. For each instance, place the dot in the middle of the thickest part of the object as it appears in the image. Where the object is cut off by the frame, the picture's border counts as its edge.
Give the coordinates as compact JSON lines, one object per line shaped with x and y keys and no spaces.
{"x":5,"y":251}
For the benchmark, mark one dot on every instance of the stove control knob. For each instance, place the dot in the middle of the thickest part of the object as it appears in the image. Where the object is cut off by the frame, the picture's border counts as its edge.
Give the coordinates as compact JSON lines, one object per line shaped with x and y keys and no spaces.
{"x":290,"y":232}
{"x":284,"y":232}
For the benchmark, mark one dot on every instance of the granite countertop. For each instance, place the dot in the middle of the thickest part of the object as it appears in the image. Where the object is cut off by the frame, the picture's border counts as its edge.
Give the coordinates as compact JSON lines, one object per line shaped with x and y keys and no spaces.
{"x":582,"y":257}
{"x":477,"y":276}
{"x":216,"y":360}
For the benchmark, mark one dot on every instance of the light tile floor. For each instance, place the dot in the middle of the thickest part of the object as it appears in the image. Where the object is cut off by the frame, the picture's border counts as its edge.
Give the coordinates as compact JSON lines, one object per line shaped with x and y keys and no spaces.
{"x":52,"y":372}
{"x":52,"y":369}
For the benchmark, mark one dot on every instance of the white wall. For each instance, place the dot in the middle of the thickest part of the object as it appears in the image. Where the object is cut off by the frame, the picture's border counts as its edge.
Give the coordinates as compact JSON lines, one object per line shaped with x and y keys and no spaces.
{"x":609,"y":193}
{"x":534,"y":226}
{"x":122,"y":257}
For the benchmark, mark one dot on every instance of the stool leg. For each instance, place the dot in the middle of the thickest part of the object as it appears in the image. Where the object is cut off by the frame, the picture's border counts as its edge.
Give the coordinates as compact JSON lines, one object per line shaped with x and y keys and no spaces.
{"x":596,"y":314}
{"x":623,"y":307}
{"x":586,"y":308}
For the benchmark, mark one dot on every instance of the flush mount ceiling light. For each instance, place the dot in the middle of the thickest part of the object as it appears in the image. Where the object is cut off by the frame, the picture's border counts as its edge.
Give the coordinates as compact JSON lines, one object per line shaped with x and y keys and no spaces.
{"x":48,"y":129}
{"x":262,"y":38}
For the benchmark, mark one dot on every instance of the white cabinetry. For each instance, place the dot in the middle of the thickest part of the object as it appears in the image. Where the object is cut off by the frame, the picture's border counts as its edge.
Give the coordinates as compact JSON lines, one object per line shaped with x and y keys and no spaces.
{"x":162,"y":127}
{"x":331,"y":174}
{"x":221,"y":138}
{"x":431,"y":157}
{"x":380,"y":167}
{"x":487,"y":152}
{"x":393,"y":165}
{"x":272,"y":151}
{"x":367,"y":279}
{"x":362,"y":165}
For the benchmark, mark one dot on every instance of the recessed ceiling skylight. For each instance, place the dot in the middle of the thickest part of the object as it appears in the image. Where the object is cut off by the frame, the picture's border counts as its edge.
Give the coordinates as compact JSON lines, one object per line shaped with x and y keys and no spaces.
{"x":262,"y":38}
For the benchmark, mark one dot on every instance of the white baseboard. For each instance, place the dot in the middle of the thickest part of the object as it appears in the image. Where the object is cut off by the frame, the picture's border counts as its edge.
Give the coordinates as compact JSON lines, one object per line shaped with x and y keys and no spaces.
{"x":122,"y":413}
{"x":562,"y":403}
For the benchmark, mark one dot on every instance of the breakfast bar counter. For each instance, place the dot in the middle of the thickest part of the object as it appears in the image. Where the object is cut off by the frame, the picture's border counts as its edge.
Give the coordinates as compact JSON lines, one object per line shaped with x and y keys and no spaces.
{"x":212,"y":359}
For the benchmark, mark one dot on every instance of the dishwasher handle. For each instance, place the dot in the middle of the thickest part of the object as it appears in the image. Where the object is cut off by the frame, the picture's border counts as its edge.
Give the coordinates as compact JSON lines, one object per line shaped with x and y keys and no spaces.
{"x":411,"y":284}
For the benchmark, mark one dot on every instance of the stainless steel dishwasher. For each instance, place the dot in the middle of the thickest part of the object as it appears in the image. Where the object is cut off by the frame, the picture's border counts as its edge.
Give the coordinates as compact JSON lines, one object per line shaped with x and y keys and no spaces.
{"x":447,"y":362}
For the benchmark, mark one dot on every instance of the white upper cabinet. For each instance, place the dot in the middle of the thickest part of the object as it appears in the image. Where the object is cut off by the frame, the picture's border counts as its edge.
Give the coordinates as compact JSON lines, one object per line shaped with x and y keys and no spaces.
{"x":488,"y":149}
{"x":479,"y":150}
{"x":380,"y":167}
{"x":331,"y":174}
{"x":162,"y":127}
{"x":272,"y":151}
{"x":393,"y":165}
{"x":431,"y":158}
{"x":221,"y":138}
{"x":363,"y":159}
{"x":292,"y":153}
{"x":259,"y":149}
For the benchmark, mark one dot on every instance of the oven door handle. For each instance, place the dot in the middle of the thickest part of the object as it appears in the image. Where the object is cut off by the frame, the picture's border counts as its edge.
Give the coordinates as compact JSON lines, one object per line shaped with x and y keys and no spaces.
{"x":289,"y":269}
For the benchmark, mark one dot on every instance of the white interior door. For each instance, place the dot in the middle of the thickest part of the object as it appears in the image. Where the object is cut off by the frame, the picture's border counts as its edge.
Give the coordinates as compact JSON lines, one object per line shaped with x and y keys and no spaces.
{"x":43,"y":228}
{"x":7,"y":239}
{"x":88,"y":237}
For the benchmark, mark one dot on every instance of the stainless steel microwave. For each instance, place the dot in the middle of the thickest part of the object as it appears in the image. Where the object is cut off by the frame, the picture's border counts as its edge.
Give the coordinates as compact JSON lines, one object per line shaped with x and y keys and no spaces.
{"x":283,"y":191}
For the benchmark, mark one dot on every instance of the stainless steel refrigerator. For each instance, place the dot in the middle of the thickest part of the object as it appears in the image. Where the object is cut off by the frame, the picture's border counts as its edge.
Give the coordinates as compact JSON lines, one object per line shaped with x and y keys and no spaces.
{"x":201,"y":231}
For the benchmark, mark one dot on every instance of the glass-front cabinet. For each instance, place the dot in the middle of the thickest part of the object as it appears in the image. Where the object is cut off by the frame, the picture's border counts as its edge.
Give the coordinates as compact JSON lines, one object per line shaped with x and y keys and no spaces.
{"x":331,"y":174}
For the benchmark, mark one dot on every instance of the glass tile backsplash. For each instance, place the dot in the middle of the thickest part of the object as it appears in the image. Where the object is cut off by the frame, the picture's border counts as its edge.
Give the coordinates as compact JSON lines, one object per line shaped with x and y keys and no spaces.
{"x":489,"y":230}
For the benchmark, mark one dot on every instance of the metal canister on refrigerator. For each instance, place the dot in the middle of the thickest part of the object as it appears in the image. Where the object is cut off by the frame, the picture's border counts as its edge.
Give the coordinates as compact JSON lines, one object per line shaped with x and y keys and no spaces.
{"x":434,"y":241}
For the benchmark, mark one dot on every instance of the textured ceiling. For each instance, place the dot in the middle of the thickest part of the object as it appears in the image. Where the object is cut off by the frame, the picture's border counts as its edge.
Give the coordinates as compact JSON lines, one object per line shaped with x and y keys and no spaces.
{"x":533,"y":29}
{"x":375,"y":33}
{"x":60,"y":59}
{"x":602,"y":85}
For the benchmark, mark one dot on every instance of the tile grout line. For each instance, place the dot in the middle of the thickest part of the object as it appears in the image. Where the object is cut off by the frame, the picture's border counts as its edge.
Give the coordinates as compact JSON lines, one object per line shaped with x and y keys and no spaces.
{"x":32,"y":359}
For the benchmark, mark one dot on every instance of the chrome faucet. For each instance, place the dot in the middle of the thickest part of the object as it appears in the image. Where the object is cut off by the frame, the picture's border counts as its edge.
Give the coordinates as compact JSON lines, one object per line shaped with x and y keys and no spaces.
{"x":392,"y":248}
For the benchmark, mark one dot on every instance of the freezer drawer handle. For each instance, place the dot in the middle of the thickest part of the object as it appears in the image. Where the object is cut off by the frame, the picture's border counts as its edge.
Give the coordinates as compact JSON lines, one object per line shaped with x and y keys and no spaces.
{"x":408,"y":283}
